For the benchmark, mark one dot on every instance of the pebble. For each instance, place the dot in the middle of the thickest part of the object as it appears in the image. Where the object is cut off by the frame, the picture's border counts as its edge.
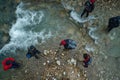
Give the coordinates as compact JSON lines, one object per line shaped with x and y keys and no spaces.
{"x":78,"y":75}
{"x":72,"y":72}
{"x":62,"y":54}
{"x":54,"y":52}
{"x":50,"y":51}
{"x":73,"y":61}
{"x":45,"y":52}
{"x":44,"y":63}
{"x":26,"y":71}
{"x":48,"y":61}
{"x":64,"y":73}
{"x":58,"y":62}
{"x":86,"y":79}
{"x":85,"y":75}
{"x":56,"y":58}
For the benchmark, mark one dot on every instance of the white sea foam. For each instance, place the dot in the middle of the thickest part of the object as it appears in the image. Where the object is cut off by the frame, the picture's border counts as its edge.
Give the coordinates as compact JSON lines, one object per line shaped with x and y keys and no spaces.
{"x":66,"y":6}
{"x":89,"y":48}
{"x":21,"y":38}
{"x":93,"y":35}
{"x":78,"y":18}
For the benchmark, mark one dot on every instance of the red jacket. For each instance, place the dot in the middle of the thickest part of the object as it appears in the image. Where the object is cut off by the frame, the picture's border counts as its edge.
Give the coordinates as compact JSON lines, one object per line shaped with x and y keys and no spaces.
{"x":5,"y":66}
{"x":63,"y":42}
{"x":87,"y":59}
{"x":92,"y":1}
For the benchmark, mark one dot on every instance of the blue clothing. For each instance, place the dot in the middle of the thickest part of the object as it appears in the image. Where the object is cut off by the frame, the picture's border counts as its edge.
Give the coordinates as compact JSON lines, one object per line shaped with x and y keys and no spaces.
{"x":113,"y":23}
{"x":70,"y":44}
{"x":15,"y":65}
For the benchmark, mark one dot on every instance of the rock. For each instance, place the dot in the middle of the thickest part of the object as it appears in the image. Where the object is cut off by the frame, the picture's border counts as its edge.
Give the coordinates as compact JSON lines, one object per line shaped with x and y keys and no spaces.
{"x":72,"y":62}
{"x":64,"y":73}
{"x":78,"y":75}
{"x":48,"y":61}
{"x":54,"y":52}
{"x":50,"y":51}
{"x":58,"y":62}
{"x":56,"y":58}
{"x":45,"y":52}
{"x":62,"y":54}
{"x":54,"y":78}
{"x":86,"y":79}
{"x":26,"y":71}
{"x":72,"y":72}
{"x":44,"y":63}
{"x":85,"y":75}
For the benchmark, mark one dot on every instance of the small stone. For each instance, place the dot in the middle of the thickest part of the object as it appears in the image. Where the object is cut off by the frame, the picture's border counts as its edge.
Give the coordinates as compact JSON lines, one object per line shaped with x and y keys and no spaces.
{"x":73,"y":61}
{"x":86,"y":79}
{"x":45,"y":52}
{"x":58,"y":62}
{"x":54,"y":52}
{"x":85,"y":75}
{"x":62,"y":54}
{"x":56,"y":58}
{"x":44,"y":63}
{"x":78,"y":75}
{"x":64,"y":73}
{"x":26,"y":71}
{"x":48,"y":61}
{"x":72,"y":72}
{"x":50,"y":50}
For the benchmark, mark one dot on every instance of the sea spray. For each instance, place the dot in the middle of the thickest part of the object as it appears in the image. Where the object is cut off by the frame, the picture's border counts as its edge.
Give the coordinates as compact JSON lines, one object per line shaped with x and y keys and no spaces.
{"x":93,"y":35}
{"x":21,"y":38}
{"x":78,"y":18}
{"x":66,"y":6}
{"x":89,"y":48}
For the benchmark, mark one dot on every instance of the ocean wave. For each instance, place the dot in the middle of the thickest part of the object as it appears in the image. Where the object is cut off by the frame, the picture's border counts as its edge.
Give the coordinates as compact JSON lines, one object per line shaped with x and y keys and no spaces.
{"x":77,"y":17}
{"x":93,"y":35}
{"x":21,"y":38}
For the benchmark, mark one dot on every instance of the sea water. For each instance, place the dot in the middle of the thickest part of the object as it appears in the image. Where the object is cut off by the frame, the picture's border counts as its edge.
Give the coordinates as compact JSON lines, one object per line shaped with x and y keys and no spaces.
{"x":23,"y":32}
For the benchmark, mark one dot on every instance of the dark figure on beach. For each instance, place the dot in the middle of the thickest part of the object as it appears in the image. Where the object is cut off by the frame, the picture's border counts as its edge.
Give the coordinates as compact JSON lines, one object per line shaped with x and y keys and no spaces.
{"x":10,"y":63}
{"x":68,"y":44}
{"x":113,"y":23}
{"x":89,"y":7}
{"x":32,"y":51}
{"x":87,"y":60}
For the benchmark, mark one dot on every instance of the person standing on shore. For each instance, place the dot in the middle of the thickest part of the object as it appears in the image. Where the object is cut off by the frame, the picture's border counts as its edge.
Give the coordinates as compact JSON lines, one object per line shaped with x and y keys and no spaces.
{"x":89,"y":7}
{"x":32,"y":51}
{"x":114,"y":22}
